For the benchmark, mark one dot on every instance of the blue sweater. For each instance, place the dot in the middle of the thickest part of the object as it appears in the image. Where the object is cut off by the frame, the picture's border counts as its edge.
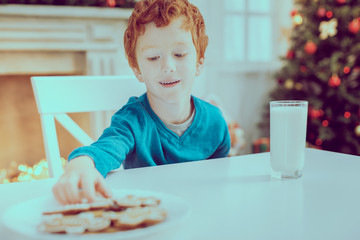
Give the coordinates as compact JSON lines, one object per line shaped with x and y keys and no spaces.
{"x":138,"y":138}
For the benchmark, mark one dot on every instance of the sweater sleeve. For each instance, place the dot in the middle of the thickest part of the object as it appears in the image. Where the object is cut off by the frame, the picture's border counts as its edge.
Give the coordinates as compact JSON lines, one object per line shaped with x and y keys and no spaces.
{"x":111,"y":149}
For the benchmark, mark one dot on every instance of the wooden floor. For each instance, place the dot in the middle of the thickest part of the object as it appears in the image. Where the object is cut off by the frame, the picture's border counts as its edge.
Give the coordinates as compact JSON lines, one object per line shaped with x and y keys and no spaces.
{"x":20,"y":127}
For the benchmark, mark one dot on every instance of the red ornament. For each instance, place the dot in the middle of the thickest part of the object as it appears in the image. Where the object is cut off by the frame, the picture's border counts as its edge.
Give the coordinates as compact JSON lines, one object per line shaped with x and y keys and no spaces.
{"x":318,"y":142}
{"x":293,"y":12}
{"x":325,"y":123}
{"x":310,"y":47}
{"x":346,"y":70}
{"x":334,"y":81}
{"x":111,"y":3}
{"x":316,"y":113}
{"x":354,"y":26}
{"x":303,"y":69}
{"x":329,"y":14}
{"x":321,"y":12}
{"x":290,"y":54}
{"x":341,"y":1}
{"x":347,"y":114}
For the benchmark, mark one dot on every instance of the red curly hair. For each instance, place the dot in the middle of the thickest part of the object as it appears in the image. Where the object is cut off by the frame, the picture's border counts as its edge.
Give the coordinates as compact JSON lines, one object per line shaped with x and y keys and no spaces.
{"x":162,"y":12}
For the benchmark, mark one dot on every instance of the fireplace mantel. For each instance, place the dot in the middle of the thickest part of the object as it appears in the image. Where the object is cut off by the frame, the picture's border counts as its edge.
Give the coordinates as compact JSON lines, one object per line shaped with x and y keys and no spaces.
{"x":40,"y":39}
{"x":64,"y":11}
{"x":63,"y":40}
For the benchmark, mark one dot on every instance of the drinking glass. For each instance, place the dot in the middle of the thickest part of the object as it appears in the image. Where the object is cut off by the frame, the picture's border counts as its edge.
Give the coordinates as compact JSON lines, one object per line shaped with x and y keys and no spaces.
{"x":287,"y":138}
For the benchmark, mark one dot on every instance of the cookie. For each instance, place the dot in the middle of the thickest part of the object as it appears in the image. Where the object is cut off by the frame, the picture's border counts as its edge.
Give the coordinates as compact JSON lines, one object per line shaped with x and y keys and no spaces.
{"x":80,"y":223}
{"x":71,"y":209}
{"x":132,"y":201}
{"x":106,"y":215}
{"x":139,"y":217}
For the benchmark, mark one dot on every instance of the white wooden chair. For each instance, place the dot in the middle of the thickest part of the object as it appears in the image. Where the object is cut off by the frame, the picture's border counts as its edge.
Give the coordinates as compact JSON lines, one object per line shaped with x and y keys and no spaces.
{"x":57,"y":95}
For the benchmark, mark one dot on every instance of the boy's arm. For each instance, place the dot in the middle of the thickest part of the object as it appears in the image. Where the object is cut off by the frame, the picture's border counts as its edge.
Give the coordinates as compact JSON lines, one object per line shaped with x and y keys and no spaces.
{"x":87,"y":166}
{"x":111,"y":149}
{"x":221,"y":126}
{"x":224,"y":147}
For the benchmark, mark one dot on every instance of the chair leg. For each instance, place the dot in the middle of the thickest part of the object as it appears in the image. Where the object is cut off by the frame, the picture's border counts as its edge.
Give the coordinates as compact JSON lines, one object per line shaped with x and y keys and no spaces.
{"x":51,"y":145}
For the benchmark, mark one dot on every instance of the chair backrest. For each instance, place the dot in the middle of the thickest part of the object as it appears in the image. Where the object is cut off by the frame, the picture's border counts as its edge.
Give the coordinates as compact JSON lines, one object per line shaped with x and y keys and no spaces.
{"x":57,"y":95}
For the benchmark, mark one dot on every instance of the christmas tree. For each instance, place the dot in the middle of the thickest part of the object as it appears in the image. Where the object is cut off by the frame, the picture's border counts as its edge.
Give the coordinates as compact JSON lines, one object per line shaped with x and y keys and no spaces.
{"x":322,"y":66}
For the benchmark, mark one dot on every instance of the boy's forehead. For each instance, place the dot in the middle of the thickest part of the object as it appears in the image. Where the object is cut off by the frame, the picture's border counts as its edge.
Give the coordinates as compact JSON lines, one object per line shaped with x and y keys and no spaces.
{"x":174,"y":33}
{"x":151,"y":46}
{"x":177,"y":23}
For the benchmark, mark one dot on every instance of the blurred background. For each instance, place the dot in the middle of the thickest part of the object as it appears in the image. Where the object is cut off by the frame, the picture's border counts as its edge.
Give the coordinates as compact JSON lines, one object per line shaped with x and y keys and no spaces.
{"x":259,"y":50}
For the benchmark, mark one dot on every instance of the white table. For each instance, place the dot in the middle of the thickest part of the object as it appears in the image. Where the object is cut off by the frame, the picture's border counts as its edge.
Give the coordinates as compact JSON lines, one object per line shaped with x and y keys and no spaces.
{"x":235,"y":198}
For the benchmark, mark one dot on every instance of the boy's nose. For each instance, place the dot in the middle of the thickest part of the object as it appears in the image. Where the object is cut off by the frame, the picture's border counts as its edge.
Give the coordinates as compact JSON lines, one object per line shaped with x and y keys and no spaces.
{"x":168,"y":65}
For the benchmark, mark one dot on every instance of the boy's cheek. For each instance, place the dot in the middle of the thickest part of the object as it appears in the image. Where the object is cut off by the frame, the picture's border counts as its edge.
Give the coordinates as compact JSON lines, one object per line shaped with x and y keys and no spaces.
{"x":138,"y":74}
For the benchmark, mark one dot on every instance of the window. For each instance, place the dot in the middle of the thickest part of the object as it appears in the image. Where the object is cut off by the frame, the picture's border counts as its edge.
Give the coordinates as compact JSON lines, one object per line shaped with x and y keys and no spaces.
{"x":248,"y":33}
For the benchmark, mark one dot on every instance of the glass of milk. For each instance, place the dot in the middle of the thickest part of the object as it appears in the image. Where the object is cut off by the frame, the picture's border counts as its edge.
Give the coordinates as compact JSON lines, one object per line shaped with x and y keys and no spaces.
{"x":287,"y":138}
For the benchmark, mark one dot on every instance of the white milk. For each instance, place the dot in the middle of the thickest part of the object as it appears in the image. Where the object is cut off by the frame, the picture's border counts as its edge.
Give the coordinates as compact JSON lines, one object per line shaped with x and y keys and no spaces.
{"x":287,"y":139}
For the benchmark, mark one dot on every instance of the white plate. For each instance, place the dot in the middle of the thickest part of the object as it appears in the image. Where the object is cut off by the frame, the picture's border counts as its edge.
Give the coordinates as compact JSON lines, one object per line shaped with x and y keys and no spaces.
{"x":24,"y":217}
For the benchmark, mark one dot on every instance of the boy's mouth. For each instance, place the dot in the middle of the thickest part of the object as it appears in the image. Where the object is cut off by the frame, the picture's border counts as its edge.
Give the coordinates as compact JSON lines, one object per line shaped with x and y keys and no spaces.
{"x":169,"y":83}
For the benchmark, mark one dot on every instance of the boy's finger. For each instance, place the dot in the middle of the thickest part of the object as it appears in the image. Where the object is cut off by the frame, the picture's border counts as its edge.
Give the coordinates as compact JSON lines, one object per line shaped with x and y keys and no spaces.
{"x":60,"y":191}
{"x":59,"y":197}
{"x":73,"y":193}
{"x":70,"y":189}
{"x":88,"y":190}
{"x":103,"y":189}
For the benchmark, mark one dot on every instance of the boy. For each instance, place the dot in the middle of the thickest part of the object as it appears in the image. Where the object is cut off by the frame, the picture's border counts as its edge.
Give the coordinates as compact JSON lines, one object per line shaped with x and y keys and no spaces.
{"x":165,"y":43}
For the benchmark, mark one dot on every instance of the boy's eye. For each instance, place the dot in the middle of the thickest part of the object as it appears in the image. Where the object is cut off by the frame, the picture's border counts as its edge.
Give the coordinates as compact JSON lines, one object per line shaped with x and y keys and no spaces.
{"x":153,"y":58}
{"x":180,"y":55}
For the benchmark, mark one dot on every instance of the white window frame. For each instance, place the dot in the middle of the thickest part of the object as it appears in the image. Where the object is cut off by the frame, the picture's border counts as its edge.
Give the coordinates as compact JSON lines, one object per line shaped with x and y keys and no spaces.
{"x":217,"y":21}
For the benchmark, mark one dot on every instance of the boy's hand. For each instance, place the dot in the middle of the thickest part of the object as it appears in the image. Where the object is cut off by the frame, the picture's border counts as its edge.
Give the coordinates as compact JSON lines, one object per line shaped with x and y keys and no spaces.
{"x":81,"y":180}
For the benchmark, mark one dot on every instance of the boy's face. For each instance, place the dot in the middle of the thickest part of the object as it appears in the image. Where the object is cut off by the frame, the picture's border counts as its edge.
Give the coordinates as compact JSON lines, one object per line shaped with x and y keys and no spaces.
{"x":167,"y":61}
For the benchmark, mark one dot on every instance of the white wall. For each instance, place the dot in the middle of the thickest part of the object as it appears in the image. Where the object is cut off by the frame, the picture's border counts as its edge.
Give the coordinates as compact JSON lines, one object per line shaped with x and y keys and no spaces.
{"x":242,"y":95}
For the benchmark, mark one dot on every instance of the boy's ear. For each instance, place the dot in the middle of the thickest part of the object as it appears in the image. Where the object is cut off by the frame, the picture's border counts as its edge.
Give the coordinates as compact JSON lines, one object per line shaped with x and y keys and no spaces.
{"x":138,"y":74}
{"x":199,"y":66}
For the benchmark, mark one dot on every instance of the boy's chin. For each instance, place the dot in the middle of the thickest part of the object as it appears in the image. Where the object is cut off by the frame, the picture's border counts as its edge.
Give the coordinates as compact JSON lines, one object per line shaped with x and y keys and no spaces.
{"x":176,"y":98}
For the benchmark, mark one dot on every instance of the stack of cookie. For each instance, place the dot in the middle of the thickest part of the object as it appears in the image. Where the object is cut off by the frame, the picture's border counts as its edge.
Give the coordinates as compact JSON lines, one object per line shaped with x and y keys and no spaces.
{"x":107,"y":215}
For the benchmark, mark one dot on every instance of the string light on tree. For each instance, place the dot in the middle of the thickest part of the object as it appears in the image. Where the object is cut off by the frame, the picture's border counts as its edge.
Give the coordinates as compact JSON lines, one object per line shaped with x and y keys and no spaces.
{"x":298,"y":86}
{"x":296,"y":17}
{"x":357,"y":130}
{"x":289,"y":84}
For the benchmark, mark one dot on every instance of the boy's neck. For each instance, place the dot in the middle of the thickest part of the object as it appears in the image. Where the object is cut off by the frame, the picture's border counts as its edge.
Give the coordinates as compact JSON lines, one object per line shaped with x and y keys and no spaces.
{"x":175,"y":113}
